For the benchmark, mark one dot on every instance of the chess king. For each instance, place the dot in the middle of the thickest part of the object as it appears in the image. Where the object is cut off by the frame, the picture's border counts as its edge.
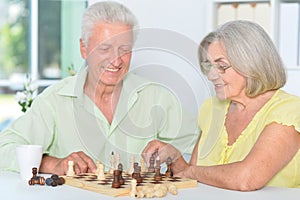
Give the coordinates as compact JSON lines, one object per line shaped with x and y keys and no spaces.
{"x":103,"y":108}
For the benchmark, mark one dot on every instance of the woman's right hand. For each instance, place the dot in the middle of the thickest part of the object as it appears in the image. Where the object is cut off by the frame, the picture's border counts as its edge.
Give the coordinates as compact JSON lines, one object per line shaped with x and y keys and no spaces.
{"x":161,"y":149}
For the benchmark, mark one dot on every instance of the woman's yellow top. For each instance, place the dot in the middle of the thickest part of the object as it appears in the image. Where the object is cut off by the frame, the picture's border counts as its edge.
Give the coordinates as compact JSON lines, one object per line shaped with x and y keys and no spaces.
{"x":213,"y":147}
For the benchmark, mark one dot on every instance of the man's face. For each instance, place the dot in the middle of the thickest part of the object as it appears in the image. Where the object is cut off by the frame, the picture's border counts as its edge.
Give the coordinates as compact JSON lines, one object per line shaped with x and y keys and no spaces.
{"x":108,"y":53}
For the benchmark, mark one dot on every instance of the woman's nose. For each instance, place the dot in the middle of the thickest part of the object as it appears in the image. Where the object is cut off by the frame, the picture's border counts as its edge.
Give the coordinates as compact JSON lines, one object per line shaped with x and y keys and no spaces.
{"x":213,"y":74}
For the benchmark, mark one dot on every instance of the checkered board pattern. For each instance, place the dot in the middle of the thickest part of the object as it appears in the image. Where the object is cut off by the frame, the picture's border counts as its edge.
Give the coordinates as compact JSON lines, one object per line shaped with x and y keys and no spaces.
{"x":90,"y":182}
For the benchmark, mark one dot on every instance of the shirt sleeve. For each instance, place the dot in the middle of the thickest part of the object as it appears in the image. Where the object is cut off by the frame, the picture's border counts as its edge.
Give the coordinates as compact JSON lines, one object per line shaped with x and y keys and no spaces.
{"x":36,"y":126}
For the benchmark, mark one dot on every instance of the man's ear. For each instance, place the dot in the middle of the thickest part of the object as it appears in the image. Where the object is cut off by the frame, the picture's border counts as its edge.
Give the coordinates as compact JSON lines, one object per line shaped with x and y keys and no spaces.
{"x":83,"y":49}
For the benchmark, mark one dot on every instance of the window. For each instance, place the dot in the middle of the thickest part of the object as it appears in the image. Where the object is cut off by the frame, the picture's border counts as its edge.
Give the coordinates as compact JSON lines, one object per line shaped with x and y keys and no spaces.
{"x":39,"y":38}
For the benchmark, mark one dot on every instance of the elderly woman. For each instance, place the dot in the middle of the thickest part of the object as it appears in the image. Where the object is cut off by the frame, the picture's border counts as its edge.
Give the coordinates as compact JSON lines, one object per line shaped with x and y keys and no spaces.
{"x":250,"y":130}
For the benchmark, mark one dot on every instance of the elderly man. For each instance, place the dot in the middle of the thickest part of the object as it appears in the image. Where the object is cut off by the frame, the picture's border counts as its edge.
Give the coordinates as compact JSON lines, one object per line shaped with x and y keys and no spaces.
{"x":103,"y":108}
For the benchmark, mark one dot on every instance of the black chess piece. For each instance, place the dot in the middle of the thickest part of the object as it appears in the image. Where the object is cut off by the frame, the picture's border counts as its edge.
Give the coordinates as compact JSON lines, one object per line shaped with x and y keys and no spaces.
{"x":55,"y":180}
{"x":116,"y":182}
{"x":135,"y":167}
{"x":157,"y":175}
{"x":36,"y":179}
{"x":169,"y":172}
{"x":138,"y":176}
{"x":121,"y":179}
{"x":151,"y":168}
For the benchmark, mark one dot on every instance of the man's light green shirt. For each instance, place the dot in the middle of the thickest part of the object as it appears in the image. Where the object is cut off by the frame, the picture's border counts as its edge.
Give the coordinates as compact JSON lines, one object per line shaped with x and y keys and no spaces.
{"x":64,"y":120}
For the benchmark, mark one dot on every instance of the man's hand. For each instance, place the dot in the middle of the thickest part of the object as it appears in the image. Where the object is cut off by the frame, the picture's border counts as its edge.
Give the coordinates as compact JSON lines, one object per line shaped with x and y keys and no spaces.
{"x":82,"y":163}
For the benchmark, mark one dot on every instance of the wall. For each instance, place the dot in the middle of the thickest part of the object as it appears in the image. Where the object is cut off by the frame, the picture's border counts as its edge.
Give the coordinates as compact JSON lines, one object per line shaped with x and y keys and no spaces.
{"x":293,"y":82}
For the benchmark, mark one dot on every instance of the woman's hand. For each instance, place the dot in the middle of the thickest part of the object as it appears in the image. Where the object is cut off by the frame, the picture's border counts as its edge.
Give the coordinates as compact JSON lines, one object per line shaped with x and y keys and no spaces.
{"x":163,"y":150}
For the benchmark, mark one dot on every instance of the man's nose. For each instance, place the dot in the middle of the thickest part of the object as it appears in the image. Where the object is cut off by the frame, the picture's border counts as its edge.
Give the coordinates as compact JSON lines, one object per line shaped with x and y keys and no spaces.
{"x":116,"y":60}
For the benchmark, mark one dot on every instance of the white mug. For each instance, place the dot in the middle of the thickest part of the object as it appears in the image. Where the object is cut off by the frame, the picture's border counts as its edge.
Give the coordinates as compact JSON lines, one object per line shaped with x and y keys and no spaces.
{"x":28,"y":156}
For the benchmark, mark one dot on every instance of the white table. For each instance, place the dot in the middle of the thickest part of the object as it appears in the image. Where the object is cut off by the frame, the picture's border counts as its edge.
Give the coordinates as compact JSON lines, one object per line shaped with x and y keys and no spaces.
{"x":11,"y":187}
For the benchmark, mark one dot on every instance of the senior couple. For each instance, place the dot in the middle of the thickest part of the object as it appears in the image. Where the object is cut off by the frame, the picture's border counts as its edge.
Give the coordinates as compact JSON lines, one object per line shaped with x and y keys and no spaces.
{"x":246,"y":137}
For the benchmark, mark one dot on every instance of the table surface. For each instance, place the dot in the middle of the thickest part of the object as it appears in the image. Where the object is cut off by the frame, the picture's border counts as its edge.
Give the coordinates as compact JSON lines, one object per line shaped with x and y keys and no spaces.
{"x":12,"y":187}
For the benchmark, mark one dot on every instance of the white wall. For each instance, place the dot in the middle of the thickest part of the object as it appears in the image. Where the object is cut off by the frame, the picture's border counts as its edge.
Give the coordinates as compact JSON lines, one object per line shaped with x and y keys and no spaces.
{"x":293,"y":82}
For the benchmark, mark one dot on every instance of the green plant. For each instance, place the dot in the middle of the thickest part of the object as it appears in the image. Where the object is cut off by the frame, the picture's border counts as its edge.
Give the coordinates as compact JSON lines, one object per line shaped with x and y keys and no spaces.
{"x":25,"y":97}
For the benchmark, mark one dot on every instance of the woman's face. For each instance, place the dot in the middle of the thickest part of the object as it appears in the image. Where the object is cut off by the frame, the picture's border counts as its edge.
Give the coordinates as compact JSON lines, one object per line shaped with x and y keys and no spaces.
{"x":108,"y":53}
{"x":229,"y":84}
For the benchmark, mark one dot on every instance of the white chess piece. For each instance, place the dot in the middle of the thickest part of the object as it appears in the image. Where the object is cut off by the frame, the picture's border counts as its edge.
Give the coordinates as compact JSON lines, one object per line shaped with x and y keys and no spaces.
{"x":101,"y":175}
{"x":143,"y":167}
{"x":131,"y":164}
{"x":112,"y":163}
{"x":117,"y":162}
{"x":133,"y":191}
{"x":70,"y":171}
{"x":98,"y":166}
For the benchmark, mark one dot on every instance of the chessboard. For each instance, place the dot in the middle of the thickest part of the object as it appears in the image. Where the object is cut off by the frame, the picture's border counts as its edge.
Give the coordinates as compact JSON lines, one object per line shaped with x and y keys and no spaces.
{"x":89,"y":181}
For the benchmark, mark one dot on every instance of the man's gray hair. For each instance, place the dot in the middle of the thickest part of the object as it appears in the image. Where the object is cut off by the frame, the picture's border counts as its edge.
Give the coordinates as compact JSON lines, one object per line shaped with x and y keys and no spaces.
{"x":107,"y":12}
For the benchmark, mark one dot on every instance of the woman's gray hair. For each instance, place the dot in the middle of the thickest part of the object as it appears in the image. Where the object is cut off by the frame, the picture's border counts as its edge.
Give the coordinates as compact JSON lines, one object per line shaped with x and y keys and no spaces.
{"x":107,"y":12}
{"x":251,"y":53}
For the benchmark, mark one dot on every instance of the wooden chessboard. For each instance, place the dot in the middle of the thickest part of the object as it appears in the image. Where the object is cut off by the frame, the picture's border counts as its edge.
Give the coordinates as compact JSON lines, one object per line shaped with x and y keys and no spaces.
{"x":90,"y":182}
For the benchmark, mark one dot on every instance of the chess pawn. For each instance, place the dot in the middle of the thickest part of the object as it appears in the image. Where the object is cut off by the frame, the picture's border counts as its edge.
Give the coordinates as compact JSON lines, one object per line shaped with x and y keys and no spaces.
{"x":138,"y":176}
{"x":116,"y":183}
{"x":151,"y":168}
{"x":135,"y":168}
{"x":70,"y":171}
{"x":169,"y":172}
{"x":157,"y":176}
{"x":101,"y":174}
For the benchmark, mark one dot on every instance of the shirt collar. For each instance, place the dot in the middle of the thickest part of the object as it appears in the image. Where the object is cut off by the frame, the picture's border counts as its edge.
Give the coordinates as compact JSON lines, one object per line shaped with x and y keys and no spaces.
{"x":75,"y":84}
{"x":132,"y":83}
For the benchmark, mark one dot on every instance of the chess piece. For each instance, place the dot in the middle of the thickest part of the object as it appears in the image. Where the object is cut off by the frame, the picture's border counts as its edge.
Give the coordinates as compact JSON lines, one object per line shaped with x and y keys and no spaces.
{"x":36,"y":179}
{"x":133,"y":192}
{"x":157,"y":176}
{"x":117,"y":160}
{"x":143,"y":167}
{"x":157,"y":161}
{"x":70,"y":171}
{"x":116,"y":183}
{"x":162,"y":187}
{"x":172,"y":189}
{"x":112,"y":163}
{"x":97,"y":167}
{"x":169,"y":172}
{"x":55,"y":180}
{"x":138,"y":176}
{"x":131,"y":167}
{"x":101,"y":174}
{"x":159,"y":193}
{"x":151,"y":168}
{"x":135,"y":167}
{"x":121,"y":179}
